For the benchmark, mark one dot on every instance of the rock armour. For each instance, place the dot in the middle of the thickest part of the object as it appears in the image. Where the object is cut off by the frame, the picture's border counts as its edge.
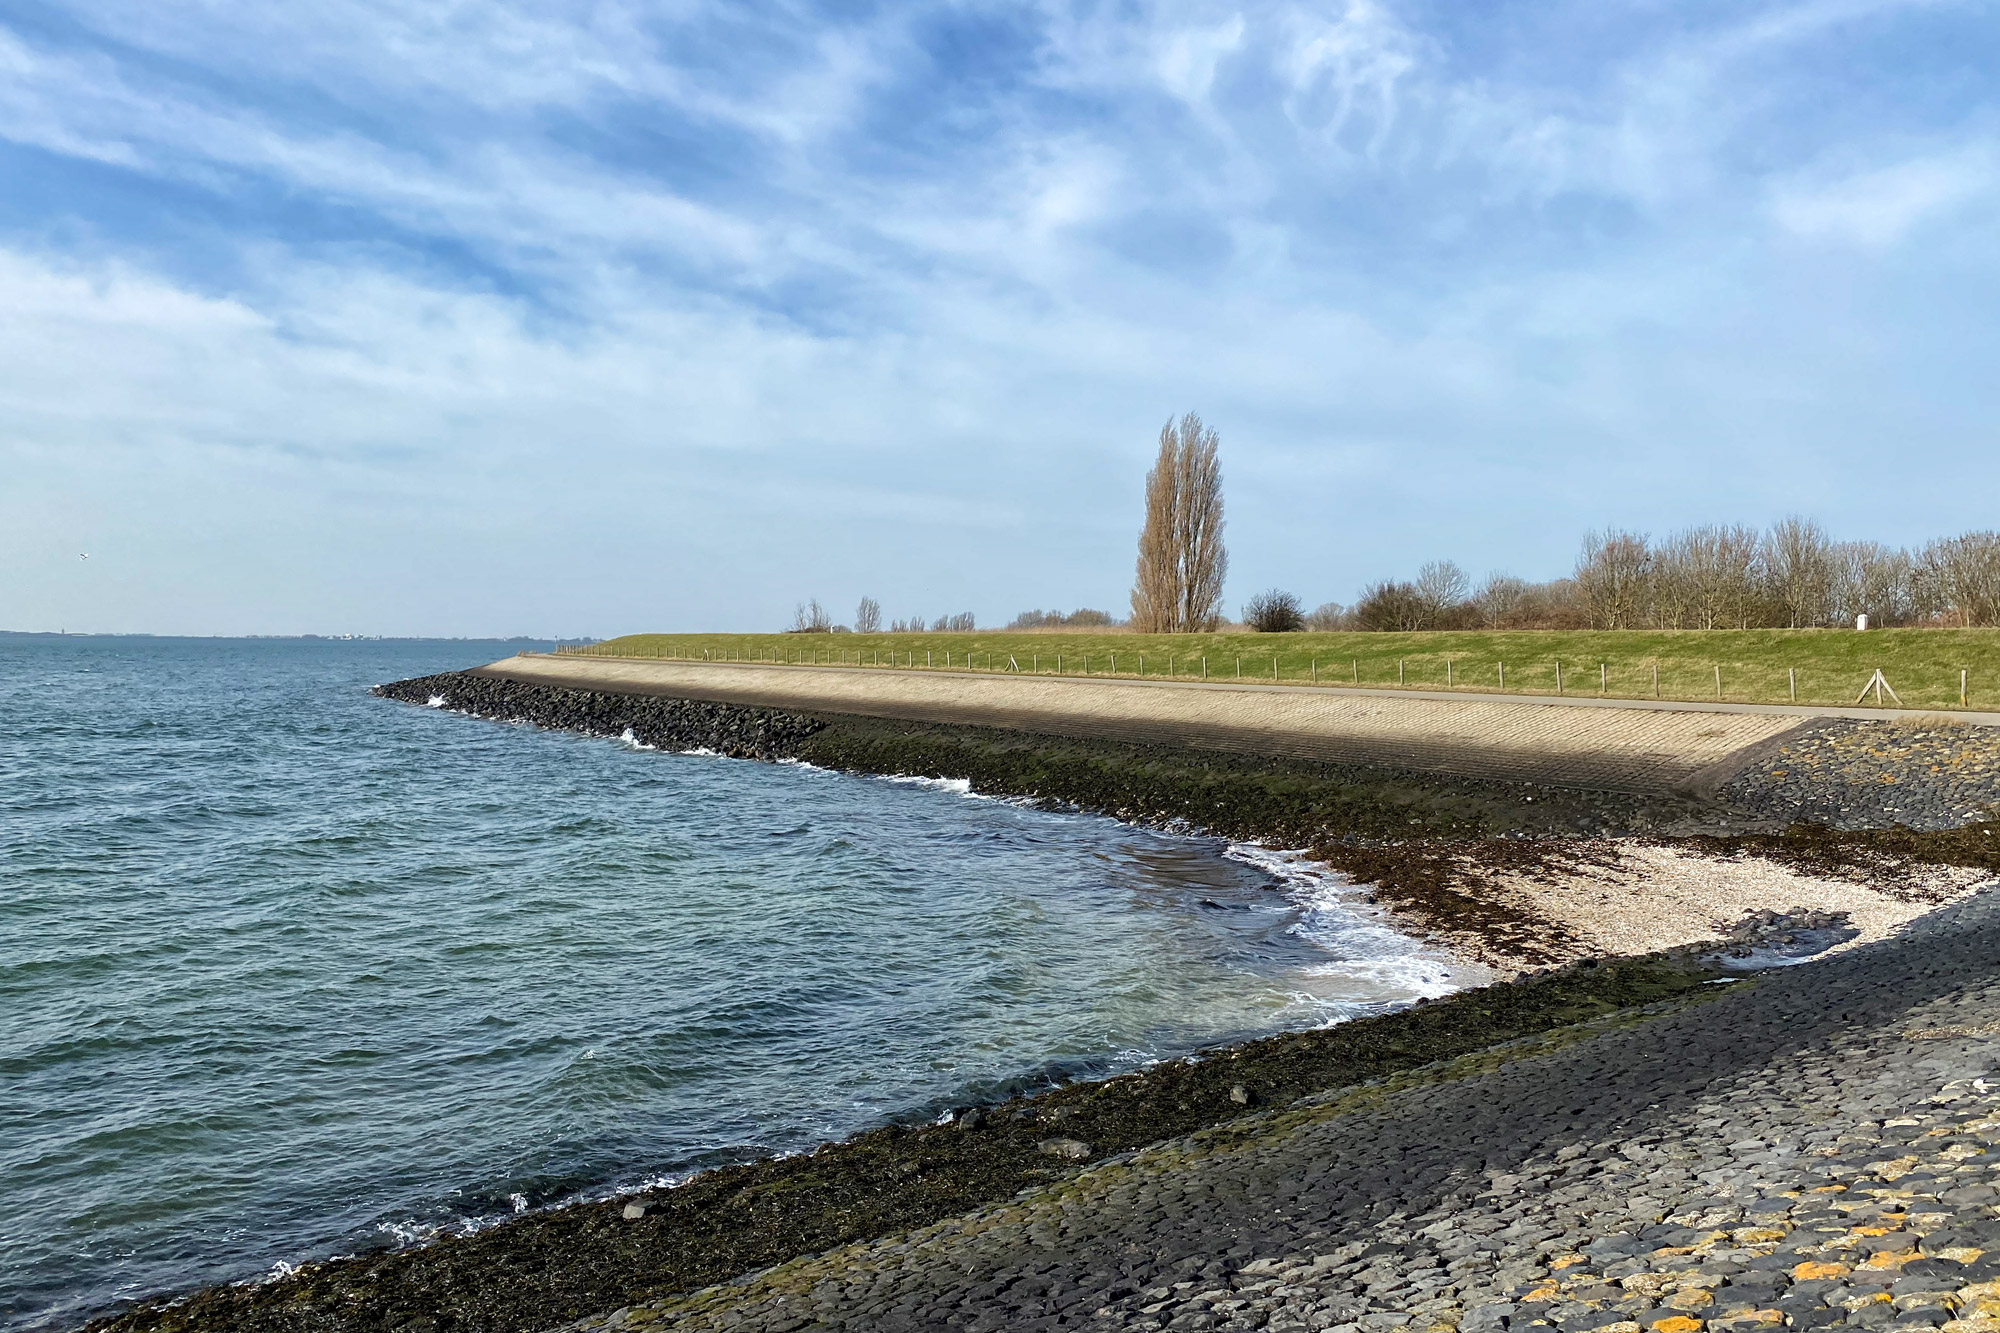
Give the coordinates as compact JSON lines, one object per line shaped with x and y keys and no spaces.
{"x":666,"y":724}
{"x":1855,"y":775}
{"x":1818,"y":1148}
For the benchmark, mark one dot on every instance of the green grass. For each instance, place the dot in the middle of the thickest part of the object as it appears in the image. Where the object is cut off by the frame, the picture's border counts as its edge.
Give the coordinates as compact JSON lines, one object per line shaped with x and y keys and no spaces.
{"x":1832,"y":665}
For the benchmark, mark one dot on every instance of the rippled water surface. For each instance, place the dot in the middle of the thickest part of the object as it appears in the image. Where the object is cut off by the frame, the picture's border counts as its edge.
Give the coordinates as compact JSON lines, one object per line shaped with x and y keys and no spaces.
{"x":288,"y":971}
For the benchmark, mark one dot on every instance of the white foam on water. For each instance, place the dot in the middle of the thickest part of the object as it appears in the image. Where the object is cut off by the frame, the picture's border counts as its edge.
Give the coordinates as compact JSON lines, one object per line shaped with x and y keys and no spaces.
{"x":435,"y":701}
{"x":956,"y":786}
{"x":1336,"y":918}
{"x":520,"y":1202}
{"x":632,"y":742}
{"x":411,"y":1232}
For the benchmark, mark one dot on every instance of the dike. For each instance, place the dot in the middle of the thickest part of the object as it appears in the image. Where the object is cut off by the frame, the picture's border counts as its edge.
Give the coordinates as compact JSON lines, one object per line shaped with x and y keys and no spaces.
{"x":1500,"y":1159}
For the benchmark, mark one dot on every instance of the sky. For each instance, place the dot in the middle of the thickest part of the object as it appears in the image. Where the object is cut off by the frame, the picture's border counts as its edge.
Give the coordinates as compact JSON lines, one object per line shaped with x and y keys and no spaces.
{"x":473,"y":318}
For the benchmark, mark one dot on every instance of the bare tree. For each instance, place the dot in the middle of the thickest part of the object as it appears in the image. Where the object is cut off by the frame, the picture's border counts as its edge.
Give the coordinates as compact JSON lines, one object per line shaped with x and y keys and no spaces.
{"x":1500,"y":601}
{"x":1870,"y":579}
{"x":1614,"y":577}
{"x":1327,"y":617}
{"x":1274,"y":612}
{"x":962,"y":623}
{"x":1444,"y":587}
{"x":1182,"y":561}
{"x":868,"y":617}
{"x":1706,"y":577}
{"x":1392,"y":606}
{"x":811,"y":618}
{"x":1798,"y":568}
{"x":1961,"y":578}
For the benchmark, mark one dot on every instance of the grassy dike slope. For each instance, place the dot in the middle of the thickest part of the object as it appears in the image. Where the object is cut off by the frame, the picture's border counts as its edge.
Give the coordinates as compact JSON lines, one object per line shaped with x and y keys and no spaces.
{"x":1832,"y":665}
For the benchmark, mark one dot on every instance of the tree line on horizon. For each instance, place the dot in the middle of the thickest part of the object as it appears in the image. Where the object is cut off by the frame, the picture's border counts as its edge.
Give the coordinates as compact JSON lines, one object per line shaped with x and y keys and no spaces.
{"x":1709,"y":576}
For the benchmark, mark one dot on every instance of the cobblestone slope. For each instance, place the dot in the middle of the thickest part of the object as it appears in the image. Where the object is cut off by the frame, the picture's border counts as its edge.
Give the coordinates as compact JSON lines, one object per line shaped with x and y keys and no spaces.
{"x":1818,"y":1147}
{"x":1874,"y":774}
{"x":1642,"y":751}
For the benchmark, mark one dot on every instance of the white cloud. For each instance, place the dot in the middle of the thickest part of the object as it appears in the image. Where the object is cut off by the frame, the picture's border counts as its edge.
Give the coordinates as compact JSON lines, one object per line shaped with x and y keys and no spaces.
{"x":1879,"y":206}
{"x":1424,"y":297}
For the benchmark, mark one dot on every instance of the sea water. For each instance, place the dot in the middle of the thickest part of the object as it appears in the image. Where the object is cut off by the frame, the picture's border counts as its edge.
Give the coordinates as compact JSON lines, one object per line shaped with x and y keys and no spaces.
{"x":289,"y":971}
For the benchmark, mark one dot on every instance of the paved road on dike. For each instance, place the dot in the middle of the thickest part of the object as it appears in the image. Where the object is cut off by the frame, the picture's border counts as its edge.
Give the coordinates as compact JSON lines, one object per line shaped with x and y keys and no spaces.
{"x":1816,"y":1148}
{"x":1641,"y":750}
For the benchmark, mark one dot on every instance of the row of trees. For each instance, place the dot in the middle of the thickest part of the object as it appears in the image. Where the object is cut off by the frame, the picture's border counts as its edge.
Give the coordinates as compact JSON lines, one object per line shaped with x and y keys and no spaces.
{"x":1707,"y":577}
{"x":812,"y":618}
{"x":1081,"y":618}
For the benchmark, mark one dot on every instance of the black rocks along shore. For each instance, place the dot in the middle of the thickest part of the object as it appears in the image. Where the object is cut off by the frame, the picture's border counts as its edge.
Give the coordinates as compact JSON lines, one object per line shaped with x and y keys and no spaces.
{"x":665,"y":724}
{"x":1917,"y":773}
{"x":1817,"y":1148}
{"x":1619,"y":1145}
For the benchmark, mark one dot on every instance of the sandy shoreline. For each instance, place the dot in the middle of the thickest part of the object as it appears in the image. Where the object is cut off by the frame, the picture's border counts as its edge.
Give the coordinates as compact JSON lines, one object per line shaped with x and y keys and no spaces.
{"x":1613,"y":897}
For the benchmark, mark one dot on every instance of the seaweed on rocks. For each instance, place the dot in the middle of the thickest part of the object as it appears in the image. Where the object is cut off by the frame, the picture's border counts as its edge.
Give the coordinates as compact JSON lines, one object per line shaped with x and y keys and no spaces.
{"x":1881,"y":856}
{"x":664,"y":724}
{"x":1423,"y":842}
{"x":551,"y":1268}
{"x":1427,"y":845}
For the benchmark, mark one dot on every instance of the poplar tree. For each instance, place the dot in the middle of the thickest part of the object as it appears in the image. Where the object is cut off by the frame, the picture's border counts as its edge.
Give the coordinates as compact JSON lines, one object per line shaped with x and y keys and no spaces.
{"x":1182,"y":561}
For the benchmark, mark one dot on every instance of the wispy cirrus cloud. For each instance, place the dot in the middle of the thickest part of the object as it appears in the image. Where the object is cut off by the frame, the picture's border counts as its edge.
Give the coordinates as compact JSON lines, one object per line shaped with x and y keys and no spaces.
{"x":1452,"y":280}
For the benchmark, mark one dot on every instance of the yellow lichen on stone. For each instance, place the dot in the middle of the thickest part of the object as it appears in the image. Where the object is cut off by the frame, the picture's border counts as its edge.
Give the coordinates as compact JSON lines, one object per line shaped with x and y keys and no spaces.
{"x":1812,"y":1272}
{"x":1756,"y":1235}
{"x":1676,"y":1323}
{"x":1566,"y":1261}
{"x":1691,"y":1298}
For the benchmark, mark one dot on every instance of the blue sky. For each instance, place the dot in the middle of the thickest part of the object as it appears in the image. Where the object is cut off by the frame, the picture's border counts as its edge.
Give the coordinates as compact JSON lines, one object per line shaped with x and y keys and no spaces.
{"x":470,"y":318}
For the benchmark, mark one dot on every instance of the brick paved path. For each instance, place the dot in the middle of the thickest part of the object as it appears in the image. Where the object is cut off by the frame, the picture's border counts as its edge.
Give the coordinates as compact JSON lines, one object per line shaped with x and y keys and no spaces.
{"x":1816,"y":1148}
{"x":1637,"y":750}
